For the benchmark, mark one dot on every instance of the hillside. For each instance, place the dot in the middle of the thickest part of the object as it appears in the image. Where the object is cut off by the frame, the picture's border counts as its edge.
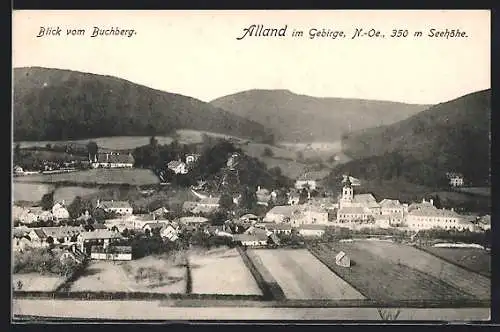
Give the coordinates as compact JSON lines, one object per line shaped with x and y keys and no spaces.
{"x":54,"y":104}
{"x":300,"y":118}
{"x":451,"y":136}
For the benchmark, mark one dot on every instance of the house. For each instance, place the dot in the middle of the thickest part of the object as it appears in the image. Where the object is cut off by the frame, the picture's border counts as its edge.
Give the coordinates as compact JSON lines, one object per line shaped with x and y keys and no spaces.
{"x":74,"y":254}
{"x":279,"y":228}
{"x":341,"y":259}
{"x":118,"y":207}
{"x":312,"y":215}
{"x":59,"y":211}
{"x":456,"y":179}
{"x":394,"y":209}
{"x":55,"y":235}
{"x":209,"y":202}
{"x":280,"y":214}
{"x":112,"y":252}
{"x":233,"y":160}
{"x":193,"y":220}
{"x":350,"y":214}
{"x":383,"y":221}
{"x":161,"y":211}
{"x":97,"y":237}
{"x":18,"y":170}
{"x":251,"y":218}
{"x":315,"y":230}
{"x":84,"y":217}
{"x":192,"y":158}
{"x":484,"y":223}
{"x":112,"y":160}
{"x":423,"y":205}
{"x":24,"y":216}
{"x":293,"y":198}
{"x":178,"y":167}
{"x":430,"y":217}
{"x":169,"y":232}
{"x":21,"y":244}
{"x":352,"y":180}
{"x":151,"y":226}
{"x":251,"y":240}
{"x":311,"y":180}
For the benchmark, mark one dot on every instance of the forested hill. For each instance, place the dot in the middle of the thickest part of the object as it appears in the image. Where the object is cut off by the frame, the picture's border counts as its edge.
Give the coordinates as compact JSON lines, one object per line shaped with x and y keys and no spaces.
{"x":304,"y":118}
{"x":55,"y":104}
{"x":452,"y":136}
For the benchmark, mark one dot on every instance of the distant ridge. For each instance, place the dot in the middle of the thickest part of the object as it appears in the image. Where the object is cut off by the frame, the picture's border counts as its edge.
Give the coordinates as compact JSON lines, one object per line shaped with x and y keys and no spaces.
{"x":302,"y":118}
{"x":56,"y":104}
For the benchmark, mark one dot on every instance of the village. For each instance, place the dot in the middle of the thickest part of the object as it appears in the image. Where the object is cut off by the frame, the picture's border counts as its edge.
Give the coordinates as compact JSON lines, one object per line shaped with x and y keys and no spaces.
{"x":305,"y":215}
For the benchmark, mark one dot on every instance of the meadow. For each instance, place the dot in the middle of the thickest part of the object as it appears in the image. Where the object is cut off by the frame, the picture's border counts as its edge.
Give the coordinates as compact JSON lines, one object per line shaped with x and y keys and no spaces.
{"x":100,"y":176}
{"x":302,"y":276}
{"x":221,"y":271}
{"x":477,"y":260}
{"x":380,"y":278}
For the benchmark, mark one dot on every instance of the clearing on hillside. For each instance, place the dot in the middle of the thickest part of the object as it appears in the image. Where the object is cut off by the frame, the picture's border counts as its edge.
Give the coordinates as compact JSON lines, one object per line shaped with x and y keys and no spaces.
{"x":302,"y":276}
{"x":221,"y":271}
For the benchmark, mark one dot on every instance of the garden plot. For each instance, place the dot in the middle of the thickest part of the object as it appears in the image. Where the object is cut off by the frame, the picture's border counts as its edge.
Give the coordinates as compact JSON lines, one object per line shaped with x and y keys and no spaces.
{"x":302,"y":276}
{"x":221,"y":271}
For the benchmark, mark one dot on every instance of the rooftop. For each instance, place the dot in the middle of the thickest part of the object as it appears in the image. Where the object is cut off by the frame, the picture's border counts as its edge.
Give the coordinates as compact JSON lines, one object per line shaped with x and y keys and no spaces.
{"x":115,"y":158}
{"x":115,"y":204}
{"x":273,"y":226}
{"x":434,"y":212}
{"x":99,"y":235}
{"x":250,"y":237}
{"x":390,"y":203}
{"x":313,"y":227}
{"x":192,"y":220}
{"x":352,"y":210}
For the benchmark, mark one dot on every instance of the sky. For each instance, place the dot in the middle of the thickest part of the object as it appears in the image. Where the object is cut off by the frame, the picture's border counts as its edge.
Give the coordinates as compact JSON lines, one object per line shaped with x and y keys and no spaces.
{"x":197,"y":54}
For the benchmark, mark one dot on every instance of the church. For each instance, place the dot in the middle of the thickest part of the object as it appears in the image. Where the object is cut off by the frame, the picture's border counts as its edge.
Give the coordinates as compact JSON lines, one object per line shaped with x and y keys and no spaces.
{"x":356,"y":207}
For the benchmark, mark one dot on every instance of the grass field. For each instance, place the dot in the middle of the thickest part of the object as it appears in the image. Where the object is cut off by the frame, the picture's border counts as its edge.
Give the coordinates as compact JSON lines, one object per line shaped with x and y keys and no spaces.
{"x":302,"y":276}
{"x":37,"y":282}
{"x":382,"y":279}
{"x":481,"y":191}
{"x":134,"y":176}
{"x":468,"y":282}
{"x":29,"y":192}
{"x":221,"y":271}
{"x":157,"y":274}
{"x":477,"y":260}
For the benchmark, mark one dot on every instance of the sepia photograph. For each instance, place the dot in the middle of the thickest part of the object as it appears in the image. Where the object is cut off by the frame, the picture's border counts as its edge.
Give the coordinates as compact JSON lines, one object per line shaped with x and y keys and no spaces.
{"x":251,"y":165}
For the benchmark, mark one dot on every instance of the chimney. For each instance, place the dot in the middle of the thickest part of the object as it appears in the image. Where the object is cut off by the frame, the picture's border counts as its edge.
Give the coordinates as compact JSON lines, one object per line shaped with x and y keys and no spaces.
{"x":432,"y":201}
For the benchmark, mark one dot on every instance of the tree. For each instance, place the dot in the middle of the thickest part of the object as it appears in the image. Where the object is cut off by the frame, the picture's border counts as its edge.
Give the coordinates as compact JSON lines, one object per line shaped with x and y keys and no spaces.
{"x":17,"y":153}
{"x":248,"y":198}
{"x":92,"y":149}
{"x":76,"y":207}
{"x":47,"y":201}
{"x":304,"y":194}
{"x":226,"y":201}
{"x":267,"y":152}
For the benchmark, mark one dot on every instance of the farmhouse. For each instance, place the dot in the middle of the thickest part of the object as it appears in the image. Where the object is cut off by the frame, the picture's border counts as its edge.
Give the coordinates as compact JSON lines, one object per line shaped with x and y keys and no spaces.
{"x":310,"y":180}
{"x":98,"y":237}
{"x":279,"y":228}
{"x":112,"y":160}
{"x":248,"y":240}
{"x":55,"y":235}
{"x":21,"y":244}
{"x":204,"y":205}
{"x":118,"y":207}
{"x":312,"y":230}
{"x":114,"y":253}
{"x":456,"y":179}
{"x":178,"y":167}
{"x":341,"y":259}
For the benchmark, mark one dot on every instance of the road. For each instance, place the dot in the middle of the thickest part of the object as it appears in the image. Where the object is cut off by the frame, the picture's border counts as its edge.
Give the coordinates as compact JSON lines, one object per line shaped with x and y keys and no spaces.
{"x":157,"y":310}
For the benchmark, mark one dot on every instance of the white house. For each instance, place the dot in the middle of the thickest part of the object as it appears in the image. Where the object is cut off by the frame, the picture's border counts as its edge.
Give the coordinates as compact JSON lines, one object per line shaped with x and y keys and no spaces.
{"x":118,"y":207}
{"x":170,"y":233}
{"x":59,"y":211}
{"x":178,"y":167}
{"x":431,"y":217}
{"x":310,"y":180}
{"x":312,"y":230}
{"x":251,"y":240}
{"x":114,"y":253}
{"x":456,"y":179}
{"x":279,"y":228}
{"x":112,"y":160}
{"x":192,"y":158}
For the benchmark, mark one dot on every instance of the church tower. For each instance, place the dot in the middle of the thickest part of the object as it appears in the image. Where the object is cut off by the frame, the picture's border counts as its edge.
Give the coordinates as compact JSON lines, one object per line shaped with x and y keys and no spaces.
{"x":347,"y":194}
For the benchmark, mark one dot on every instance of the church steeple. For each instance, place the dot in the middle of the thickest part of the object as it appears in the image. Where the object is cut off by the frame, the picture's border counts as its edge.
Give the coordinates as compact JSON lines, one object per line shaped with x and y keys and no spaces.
{"x":347,"y":191}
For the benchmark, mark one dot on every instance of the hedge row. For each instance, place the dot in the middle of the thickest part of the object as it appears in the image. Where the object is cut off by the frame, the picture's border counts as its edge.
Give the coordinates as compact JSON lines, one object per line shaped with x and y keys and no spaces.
{"x":266,"y":282}
{"x":89,"y":295}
